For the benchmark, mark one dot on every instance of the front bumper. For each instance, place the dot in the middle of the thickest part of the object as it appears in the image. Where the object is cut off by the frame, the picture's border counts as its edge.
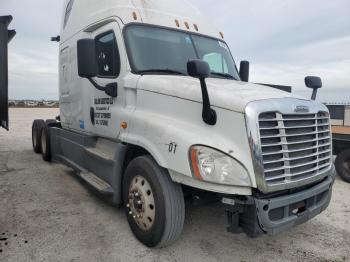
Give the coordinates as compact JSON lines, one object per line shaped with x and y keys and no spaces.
{"x":273,"y":215}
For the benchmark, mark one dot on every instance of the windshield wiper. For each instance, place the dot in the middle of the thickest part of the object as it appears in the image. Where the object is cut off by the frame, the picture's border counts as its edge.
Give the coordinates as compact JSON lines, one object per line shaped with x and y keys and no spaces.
{"x":223,"y":75}
{"x":166,"y":71}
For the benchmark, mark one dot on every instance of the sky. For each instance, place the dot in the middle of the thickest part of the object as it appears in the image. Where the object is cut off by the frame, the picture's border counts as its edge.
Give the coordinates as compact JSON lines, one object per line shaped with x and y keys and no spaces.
{"x":284,"y":41}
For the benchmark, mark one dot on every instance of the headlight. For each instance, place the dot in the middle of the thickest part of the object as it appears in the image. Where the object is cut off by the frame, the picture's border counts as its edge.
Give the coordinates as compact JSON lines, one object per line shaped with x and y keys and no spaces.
{"x":213,"y":166}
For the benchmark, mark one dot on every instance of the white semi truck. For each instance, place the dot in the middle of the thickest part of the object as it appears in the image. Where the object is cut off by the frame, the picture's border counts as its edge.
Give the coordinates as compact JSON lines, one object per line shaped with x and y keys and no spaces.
{"x":153,"y":109}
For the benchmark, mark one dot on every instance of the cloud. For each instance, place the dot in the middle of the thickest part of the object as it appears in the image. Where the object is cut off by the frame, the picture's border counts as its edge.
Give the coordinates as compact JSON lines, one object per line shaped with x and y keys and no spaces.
{"x":33,"y":75}
{"x":287,"y":40}
{"x":33,"y":59}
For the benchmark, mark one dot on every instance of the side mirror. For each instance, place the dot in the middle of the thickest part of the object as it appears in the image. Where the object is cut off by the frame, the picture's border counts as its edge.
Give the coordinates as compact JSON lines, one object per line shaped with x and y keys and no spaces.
{"x":201,"y":70}
{"x":315,"y":83}
{"x":198,"y":69}
{"x":244,"y":71}
{"x":87,"y":62}
{"x":88,"y":68}
{"x":56,"y":38}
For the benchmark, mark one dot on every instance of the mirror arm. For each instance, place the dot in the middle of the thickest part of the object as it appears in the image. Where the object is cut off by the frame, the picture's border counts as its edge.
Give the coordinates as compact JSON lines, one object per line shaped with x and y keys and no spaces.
{"x":208,"y":114}
{"x":96,"y":85}
{"x":314,"y":94}
{"x":110,"y":89}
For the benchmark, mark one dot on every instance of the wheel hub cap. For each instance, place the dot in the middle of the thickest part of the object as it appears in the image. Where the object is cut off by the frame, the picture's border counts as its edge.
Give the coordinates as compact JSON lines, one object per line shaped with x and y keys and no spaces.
{"x":141,"y":204}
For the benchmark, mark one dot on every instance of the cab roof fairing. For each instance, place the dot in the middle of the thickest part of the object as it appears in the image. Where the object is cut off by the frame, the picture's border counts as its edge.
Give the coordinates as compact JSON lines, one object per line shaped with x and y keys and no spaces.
{"x":164,"y":13}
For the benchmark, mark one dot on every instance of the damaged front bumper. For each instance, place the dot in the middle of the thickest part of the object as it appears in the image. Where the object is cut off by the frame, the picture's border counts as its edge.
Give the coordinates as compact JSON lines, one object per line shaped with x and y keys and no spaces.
{"x":264,"y":215}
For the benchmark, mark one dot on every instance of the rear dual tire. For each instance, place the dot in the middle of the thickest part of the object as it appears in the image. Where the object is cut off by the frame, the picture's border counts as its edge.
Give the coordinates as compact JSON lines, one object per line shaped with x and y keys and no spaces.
{"x":155,"y":207}
{"x":36,"y":135}
{"x":45,"y":143}
{"x":41,"y":138}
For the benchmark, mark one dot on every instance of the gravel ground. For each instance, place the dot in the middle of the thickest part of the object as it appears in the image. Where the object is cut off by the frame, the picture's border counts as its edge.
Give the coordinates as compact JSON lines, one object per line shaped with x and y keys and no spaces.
{"x":46,"y":214}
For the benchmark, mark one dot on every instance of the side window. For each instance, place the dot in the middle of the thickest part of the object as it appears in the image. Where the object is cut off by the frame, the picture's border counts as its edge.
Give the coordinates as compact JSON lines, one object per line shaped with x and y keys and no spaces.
{"x":108,"y":58}
{"x":216,"y":62}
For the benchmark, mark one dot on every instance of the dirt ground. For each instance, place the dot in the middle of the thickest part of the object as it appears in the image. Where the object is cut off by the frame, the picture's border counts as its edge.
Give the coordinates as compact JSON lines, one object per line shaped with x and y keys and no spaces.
{"x":46,"y":214}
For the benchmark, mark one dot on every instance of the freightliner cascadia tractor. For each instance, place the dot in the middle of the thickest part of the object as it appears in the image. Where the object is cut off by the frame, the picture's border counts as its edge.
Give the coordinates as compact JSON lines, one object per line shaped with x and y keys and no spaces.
{"x":153,"y":110}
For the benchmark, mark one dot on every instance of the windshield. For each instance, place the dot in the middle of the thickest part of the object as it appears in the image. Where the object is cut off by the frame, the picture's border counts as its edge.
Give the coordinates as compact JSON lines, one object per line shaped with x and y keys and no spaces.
{"x":159,"y":50}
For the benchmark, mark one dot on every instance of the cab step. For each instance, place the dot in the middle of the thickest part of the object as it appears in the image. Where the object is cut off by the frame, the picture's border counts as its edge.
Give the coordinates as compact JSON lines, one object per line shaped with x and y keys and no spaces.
{"x":102,"y":155}
{"x":97,"y":183}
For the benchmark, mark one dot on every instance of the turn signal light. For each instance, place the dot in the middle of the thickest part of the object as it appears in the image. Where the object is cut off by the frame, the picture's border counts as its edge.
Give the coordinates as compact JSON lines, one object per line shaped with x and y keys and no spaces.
{"x":124,"y":125}
{"x":195,"y":166}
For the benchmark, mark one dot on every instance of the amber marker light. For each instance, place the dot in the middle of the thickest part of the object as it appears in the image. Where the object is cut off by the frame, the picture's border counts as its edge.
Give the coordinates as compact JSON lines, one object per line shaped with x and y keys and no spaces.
{"x":194,"y":162}
{"x":124,"y":125}
{"x":187,"y":25}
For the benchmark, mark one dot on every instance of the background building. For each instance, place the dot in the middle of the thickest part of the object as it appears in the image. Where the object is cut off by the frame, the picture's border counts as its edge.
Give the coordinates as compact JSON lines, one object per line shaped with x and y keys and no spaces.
{"x":340,"y":113}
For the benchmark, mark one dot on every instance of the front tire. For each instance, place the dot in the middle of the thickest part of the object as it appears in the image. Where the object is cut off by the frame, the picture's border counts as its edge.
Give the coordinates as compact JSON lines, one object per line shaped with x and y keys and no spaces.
{"x":342,"y":164}
{"x":155,"y":206}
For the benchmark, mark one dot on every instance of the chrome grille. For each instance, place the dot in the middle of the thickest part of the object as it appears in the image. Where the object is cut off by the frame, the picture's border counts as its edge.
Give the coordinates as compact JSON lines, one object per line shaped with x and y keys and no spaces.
{"x":294,"y":146}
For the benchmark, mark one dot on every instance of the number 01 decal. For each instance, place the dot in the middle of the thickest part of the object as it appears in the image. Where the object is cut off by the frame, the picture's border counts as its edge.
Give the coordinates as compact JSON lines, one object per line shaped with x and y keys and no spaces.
{"x":172,"y":148}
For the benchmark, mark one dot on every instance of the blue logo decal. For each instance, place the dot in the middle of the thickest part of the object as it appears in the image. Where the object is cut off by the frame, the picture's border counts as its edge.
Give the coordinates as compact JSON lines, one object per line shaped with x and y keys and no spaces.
{"x":82,"y":124}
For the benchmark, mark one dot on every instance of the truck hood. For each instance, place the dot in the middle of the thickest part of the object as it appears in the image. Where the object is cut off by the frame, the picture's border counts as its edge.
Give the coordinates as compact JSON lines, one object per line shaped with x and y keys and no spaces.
{"x":223,"y":93}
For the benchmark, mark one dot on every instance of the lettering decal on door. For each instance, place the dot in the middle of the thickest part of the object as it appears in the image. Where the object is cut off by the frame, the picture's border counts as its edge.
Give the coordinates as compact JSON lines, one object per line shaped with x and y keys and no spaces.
{"x":102,"y":114}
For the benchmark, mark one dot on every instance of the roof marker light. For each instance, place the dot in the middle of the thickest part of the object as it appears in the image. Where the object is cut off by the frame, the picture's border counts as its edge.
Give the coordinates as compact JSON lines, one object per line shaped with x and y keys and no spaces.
{"x":177,"y":23}
{"x":222,"y":35}
{"x":196,"y":27}
{"x":187,"y":25}
{"x":134,"y":15}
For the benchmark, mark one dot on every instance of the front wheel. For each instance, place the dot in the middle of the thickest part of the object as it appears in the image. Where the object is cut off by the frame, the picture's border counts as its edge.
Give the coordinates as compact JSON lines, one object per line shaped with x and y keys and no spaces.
{"x":342,"y":164}
{"x":155,"y":206}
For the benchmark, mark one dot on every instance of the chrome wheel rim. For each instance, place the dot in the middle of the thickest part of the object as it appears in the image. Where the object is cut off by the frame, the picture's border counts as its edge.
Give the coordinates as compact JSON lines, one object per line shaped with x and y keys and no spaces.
{"x":141,"y":205}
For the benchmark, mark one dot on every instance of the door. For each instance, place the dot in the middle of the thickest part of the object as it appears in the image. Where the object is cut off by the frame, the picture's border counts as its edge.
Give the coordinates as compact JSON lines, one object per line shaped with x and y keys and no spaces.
{"x":65,"y":85}
{"x":105,"y":111}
